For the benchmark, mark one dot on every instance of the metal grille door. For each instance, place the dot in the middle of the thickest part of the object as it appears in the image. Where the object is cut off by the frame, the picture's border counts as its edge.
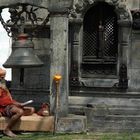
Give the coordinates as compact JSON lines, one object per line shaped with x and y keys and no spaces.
{"x":100,"y":41}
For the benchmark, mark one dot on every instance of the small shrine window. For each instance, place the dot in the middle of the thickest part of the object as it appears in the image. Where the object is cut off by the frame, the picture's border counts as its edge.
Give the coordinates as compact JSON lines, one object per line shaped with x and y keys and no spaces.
{"x":100,"y":41}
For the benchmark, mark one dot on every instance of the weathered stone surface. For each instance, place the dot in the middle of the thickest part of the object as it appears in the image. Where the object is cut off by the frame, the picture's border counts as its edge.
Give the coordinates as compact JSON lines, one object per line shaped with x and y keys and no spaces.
{"x":133,"y":4}
{"x":135,"y":79}
{"x":98,"y":82}
{"x":42,"y":44}
{"x":59,"y":61}
{"x":116,"y":123}
{"x":109,"y":114}
{"x":60,"y":5}
{"x":39,"y":96}
{"x":104,"y":101}
{"x":9,"y":3}
{"x":135,"y":49}
{"x":72,"y":124}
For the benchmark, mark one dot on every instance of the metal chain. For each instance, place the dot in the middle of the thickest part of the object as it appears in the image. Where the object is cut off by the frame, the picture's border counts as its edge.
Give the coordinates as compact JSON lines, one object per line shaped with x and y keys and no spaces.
{"x":8,"y":30}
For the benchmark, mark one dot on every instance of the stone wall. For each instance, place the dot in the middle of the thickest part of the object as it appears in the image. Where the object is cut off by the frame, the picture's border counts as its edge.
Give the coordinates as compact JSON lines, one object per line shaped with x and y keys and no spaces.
{"x":133,"y":4}
{"x":39,"y":78}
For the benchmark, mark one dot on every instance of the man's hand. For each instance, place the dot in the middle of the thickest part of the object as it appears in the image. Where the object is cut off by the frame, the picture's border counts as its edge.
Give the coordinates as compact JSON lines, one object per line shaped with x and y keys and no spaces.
{"x":17,"y":104}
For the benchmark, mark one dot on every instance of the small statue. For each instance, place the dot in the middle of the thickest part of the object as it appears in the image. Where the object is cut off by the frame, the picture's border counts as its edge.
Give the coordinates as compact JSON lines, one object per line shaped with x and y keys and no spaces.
{"x":123,"y":81}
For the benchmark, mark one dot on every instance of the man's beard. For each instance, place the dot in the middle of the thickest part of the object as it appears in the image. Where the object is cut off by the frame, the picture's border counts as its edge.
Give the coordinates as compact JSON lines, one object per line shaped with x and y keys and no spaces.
{"x":3,"y":83}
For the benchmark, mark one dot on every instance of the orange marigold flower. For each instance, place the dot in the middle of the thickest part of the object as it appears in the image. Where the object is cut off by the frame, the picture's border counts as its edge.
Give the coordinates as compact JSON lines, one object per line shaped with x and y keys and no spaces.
{"x":57,"y":77}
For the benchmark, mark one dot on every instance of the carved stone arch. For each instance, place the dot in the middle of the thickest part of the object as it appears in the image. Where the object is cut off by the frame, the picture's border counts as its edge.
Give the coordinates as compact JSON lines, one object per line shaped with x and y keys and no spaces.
{"x":81,"y":6}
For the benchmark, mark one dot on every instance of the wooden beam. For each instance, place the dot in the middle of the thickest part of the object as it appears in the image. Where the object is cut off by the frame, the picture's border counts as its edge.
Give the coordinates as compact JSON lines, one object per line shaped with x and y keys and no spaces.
{"x":31,"y":123}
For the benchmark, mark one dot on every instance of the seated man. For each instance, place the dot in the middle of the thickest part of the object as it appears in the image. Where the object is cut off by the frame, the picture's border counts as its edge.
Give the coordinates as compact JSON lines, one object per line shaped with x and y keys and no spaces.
{"x":9,"y":107}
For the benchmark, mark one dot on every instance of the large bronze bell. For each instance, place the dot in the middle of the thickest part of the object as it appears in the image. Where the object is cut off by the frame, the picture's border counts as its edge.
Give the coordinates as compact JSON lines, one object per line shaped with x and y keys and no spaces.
{"x":22,"y":55}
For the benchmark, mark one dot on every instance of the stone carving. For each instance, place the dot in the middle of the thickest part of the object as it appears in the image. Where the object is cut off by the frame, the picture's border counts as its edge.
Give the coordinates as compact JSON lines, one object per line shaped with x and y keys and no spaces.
{"x":79,"y":7}
{"x":123,"y":80}
{"x":81,"y":4}
{"x":90,"y":1}
{"x":136,"y":19}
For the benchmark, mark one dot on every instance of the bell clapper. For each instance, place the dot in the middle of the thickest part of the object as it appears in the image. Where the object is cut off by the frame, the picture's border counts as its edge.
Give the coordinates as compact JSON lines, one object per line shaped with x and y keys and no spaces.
{"x":21,"y":76}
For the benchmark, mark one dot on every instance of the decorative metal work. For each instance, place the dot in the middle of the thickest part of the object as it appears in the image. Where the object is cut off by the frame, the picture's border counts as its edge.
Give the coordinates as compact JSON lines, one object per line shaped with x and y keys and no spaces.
{"x":100,"y":41}
{"x":20,"y":14}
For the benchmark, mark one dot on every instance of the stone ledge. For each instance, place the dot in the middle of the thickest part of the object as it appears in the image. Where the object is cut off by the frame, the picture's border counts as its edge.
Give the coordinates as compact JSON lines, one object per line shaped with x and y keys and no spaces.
{"x":69,"y":124}
{"x":31,"y":123}
{"x":72,"y":124}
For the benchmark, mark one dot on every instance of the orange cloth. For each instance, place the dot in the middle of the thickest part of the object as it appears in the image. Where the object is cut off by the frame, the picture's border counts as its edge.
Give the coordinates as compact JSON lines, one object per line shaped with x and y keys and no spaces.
{"x":5,"y":99}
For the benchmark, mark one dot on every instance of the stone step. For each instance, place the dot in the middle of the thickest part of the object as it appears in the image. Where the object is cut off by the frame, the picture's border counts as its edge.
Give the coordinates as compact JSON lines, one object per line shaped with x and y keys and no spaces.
{"x":78,"y":110}
{"x":104,"y":101}
{"x":118,"y":118}
{"x":115,"y":123}
{"x":82,"y":110}
{"x":104,"y":121}
{"x":108,"y":114}
{"x":123,"y":111}
{"x":103,"y":92}
{"x":72,"y":124}
{"x":90,"y":106}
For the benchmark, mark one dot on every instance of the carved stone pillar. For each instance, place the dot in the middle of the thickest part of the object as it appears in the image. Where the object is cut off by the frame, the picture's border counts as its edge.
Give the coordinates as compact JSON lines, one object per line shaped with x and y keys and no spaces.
{"x":124,"y":26}
{"x":59,"y":53}
{"x":74,"y":74}
{"x":124,"y":33}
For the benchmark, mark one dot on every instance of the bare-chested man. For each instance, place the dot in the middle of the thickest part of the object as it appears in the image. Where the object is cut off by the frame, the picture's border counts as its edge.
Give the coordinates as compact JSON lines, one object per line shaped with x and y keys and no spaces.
{"x":9,"y":107}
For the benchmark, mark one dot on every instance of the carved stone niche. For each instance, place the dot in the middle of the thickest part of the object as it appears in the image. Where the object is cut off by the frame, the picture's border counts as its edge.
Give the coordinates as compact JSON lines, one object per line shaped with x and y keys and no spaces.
{"x":136,"y":19}
{"x":124,"y":27}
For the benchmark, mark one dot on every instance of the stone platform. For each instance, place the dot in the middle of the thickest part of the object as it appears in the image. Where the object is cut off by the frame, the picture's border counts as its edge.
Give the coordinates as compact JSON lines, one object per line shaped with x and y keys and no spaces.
{"x":72,"y":124}
{"x":108,"y":114}
{"x":69,"y":124}
{"x":31,"y":123}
